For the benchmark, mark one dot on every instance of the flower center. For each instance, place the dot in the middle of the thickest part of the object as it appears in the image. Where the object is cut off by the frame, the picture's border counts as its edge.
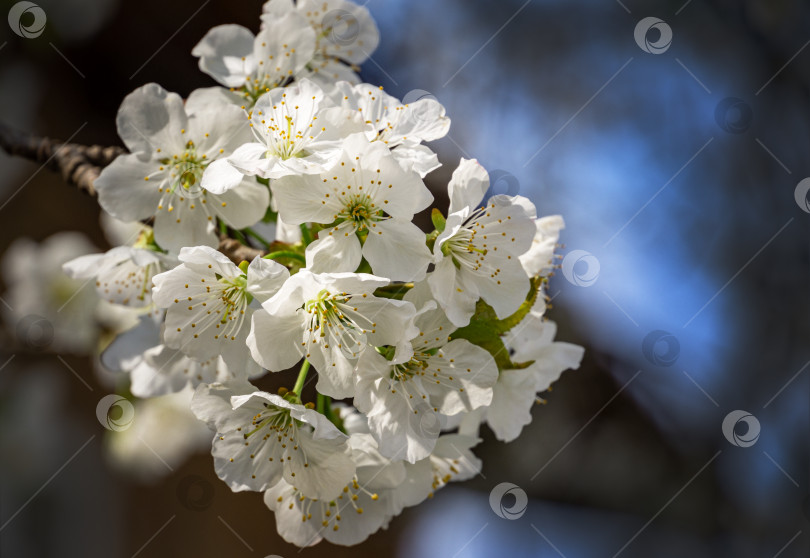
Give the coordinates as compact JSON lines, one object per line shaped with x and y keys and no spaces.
{"x":272,"y":418}
{"x":468,"y":246}
{"x":360,"y":211}
{"x":222,"y":307}
{"x":407,"y":370}
{"x":334,"y":322}
{"x":186,"y":170}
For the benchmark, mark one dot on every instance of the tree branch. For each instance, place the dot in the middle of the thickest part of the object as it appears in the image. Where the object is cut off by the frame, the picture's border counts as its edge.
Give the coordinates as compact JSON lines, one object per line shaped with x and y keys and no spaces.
{"x":236,"y":251}
{"x":80,"y":165}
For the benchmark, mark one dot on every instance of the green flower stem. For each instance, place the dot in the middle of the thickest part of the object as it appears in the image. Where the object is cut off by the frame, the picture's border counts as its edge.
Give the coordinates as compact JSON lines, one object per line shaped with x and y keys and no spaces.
{"x":253,"y":234}
{"x":302,"y":376}
{"x":324,"y":406}
{"x":306,"y":234}
{"x":240,"y":237}
{"x":286,"y":254}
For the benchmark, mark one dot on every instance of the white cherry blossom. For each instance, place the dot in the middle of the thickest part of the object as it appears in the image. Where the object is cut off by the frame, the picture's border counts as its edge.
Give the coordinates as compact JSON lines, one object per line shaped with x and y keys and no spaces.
{"x":123,"y":274}
{"x":296,"y":129}
{"x":262,"y":438}
{"x":329,"y":319}
{"x":252,"y":65}
{"x":163,"y":370}
{"x":171,"y":147}
{"x":402,"y":128}
{"x":404,"y":401}
{"x":371,"y":201}
{"x":539,"y":259}
{"x":478,"y":253}
{"x":155,"y":369}
{"x":46,"y":309}
{"x":209,"y":303}
{"x":515,"y":393}
{"x":345,"y":33}
{"x":365,"y":505}
{"x":453,"y":460}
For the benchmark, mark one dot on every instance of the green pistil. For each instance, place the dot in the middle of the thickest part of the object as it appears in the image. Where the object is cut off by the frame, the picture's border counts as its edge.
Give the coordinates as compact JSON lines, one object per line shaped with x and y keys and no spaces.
{"x":407,"y":370}
{"x":234,"y":294}
{"x":359,"y":211}
{"x":146,"y":241}
{"x":323,"y":305}
{"x":278,"y":421}
{"x":188,"y":168}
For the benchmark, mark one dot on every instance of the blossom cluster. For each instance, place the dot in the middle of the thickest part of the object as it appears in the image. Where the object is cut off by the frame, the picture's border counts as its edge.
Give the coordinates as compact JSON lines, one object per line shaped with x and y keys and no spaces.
{"x":414,"y":339}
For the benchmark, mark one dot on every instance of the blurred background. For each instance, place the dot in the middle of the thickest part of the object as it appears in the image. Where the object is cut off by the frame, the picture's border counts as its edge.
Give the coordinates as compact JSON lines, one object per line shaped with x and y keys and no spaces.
{"x":674,"y":147}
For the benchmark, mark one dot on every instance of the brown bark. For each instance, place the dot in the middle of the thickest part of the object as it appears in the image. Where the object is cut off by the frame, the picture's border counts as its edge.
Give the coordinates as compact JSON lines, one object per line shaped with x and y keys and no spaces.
{"x":80,"y":165}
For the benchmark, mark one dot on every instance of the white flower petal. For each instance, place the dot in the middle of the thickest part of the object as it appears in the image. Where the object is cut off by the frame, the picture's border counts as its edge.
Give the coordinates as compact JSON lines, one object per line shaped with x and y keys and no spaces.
{"x":265,"y":278}
{"x":126,"y":350}
{"x":122,"y":190}
{"x":243,"y":206}
{"x":333,"y":253}
{"x":151,"y":118}
{"x":465,"y":374}
{"x":467,"y":186}
{"x":275,"y":341}
{"x":539,"y":259}
{"x":221,"y":176}
{"x":180,"y":225}
{"x":302,"y":199}
{"x":456,"y":298}
{"x":321,"y":467}
{"x":396,"y":249}
{"x":283,"y":48}
{"x":226,"y":54}
{"x":403,"y":423}
{"x":418,"y":158}
{"x":512,"y":401}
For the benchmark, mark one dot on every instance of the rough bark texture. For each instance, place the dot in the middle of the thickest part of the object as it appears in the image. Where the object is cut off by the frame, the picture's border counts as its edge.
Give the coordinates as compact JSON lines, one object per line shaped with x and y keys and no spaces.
{"x":236,"y":251}
{"x":80,"y":165}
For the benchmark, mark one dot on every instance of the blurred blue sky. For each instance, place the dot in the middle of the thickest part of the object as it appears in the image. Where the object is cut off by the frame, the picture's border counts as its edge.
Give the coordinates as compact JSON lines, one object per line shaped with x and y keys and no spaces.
{"x":694,"y":226}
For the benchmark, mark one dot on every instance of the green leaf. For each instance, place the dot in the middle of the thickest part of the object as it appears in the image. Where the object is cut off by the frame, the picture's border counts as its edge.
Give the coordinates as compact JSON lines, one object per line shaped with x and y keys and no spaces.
{"x":485,"y":329}
{"x":534,"y":289}
{"x":270,"y":216}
